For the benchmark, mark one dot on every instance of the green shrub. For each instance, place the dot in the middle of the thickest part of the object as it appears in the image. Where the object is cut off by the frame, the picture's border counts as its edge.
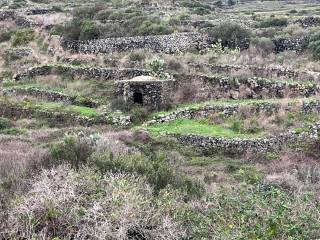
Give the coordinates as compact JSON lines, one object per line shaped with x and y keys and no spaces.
{"x":230,"y":34}
{"x":5,"y":35}
{"x":293,"y":11}
{"x":136,"y":56}
{"x":14,"y":54}
{"x":88,"y":31}
{"x":201,"y":11}
{"x":232,"y":2}
{"x":237,"y":126}
{"x":258,"y":212}
{"x":274,"y":22}
{"x":249,"y":175}
{"x":264,"y":45}
{"x":74,"y":150}
{"x":13,"y":131}
{"x":157,"y":169}
{"x":130,"y":22}
{"x":22,"y":37}
{"x":314,"y":45}
{"x":139,"y":114}
{"x":156,"y":66}
{"x":5,"y":123}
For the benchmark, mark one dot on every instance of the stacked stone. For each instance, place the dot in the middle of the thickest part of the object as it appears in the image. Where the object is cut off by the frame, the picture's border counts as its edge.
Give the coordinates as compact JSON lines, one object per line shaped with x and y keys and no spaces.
{"x":228,"y":110}
{"x":162,"y":43}
{"x":308,"y":22}
{"x":89,"y":72}
{"x":276,"y":71}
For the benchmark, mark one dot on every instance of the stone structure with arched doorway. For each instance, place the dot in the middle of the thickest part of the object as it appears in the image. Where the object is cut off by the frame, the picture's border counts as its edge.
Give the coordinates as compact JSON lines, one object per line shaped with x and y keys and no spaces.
{"x":145,"y":91}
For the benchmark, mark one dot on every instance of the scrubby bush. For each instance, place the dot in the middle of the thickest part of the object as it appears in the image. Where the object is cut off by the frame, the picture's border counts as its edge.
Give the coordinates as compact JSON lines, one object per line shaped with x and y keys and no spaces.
{"x":22,"y":37}
{"x":75,"y":150}
{"x":263,"y":45}
{"x":230,"y":34}
{"x":78,"y":29}
{"x":274,"y":22}
{"x":14,"y":54}
{"x":157,"y":169}
{"x":5,"y":35}
{"x":156,"y":66}
{"x":88,"y":31}
{"x":314,"y":45}
{"x":129,"y":22}
{"x":5,"y":123}
{"x":139,"y":114}
{"x":64,"y":204}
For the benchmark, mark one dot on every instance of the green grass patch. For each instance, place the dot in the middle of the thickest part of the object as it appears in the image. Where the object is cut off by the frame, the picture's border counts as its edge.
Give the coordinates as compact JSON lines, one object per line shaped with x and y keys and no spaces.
{"x":84,"y":111}
{"x":202,"y":128}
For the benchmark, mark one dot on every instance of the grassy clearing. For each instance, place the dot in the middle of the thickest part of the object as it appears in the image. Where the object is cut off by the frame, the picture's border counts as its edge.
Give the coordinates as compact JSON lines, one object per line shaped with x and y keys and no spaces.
{"x":83,"y":111}
{"x":203,"y":128}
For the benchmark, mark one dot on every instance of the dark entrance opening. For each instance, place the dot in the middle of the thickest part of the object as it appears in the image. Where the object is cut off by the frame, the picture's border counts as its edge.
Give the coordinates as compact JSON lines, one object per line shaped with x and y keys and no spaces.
{"x":137,"y":98}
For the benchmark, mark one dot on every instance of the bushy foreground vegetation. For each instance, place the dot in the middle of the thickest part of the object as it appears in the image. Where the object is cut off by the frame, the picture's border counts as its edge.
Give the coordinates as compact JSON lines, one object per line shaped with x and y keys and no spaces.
{"x":94,"y":187}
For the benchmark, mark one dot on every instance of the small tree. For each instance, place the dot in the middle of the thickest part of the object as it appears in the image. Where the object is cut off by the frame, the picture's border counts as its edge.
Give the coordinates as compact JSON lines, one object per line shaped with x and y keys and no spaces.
{"x":231,"y":34}
{"x":314,"y":45}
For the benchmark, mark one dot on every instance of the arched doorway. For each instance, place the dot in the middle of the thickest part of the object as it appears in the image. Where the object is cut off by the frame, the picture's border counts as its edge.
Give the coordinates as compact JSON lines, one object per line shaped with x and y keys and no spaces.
{"x":138,"y":98}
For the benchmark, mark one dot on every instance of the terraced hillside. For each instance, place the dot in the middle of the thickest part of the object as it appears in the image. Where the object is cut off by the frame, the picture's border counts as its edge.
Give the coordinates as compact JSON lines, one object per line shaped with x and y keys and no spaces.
{"x":159,"y":119}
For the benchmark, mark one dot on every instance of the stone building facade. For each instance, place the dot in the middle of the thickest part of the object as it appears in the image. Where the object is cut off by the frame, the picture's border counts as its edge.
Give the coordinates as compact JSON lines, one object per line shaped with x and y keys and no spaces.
{"x":145,"y":91}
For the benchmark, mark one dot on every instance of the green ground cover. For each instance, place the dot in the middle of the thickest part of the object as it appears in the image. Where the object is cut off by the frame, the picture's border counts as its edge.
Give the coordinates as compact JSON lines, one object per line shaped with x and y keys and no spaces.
{"x":203,"y":128}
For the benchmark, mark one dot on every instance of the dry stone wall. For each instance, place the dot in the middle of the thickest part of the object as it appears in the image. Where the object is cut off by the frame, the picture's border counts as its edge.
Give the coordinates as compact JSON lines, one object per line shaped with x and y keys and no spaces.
{"x":87,"y":72}
{"x":235,"y":145}
{"x":269,"y":72}
{"x":240,"y":146}
{"x":292,"y":44}
{"x":162,"y":43}
{"x":59,"y":117}
{"x":217,"y":87}
{"x":19,"y":19}
{"x":49,"y":95}
{"x":230,"y":109}
{"x":308,"y":22}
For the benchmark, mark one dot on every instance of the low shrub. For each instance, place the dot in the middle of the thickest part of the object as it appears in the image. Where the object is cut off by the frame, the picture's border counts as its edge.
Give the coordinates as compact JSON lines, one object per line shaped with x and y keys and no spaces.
{"x":74,"y":150}
{"x":5,"y":123}
{"x":274,"y":22}
{"x":230,"y":34}
{"x":139,"y":114}
{"x":157,"y":169}
{"x":314,"y":45}
{"x":65,"y":204}
{"x":5,"y":35}
{"x":263,"y":45}
{"x":22,"y":37}
{"x":156,"y":66}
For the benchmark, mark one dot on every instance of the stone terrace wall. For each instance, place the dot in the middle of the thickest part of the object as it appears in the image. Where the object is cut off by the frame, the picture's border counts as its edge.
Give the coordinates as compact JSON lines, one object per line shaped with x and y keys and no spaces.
{"x":169,"y":43}
{"x":17,"y":111}
{"x":240,"y":146}
{"x":88,"y":72}
{"x":17,"y":18}
{"x":217,"y":87}
{"x":52,"y":96}
{"x":235,"y":145}
{"x":38,"y":11}
{"x":229,"y":110}
{"x":308,"y":22}
{"x":269,"y":72}
{"x":163,"y":43}
{"x":293,"y":44}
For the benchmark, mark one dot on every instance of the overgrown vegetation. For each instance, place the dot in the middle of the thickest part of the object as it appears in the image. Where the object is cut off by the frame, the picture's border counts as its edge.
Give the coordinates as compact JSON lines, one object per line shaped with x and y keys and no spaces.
{"x":80,"y":161}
